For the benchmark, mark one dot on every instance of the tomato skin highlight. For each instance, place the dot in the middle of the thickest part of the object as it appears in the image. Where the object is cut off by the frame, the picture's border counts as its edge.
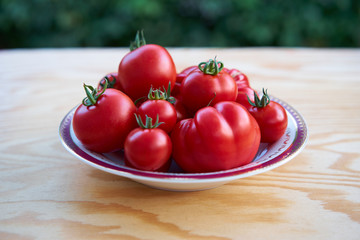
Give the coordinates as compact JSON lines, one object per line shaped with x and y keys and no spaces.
{"x":217,"y":138}
{"x":199,"y":89}
{"x":164,"y":109}
{"x":148,"y":149}
{"x":146,"y":66}
{"x":104,"y":126}
{"x":272,"y":120}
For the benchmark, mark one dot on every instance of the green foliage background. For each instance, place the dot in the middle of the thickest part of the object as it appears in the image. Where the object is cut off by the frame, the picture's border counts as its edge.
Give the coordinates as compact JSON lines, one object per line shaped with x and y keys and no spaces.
{"x":215,"y":23}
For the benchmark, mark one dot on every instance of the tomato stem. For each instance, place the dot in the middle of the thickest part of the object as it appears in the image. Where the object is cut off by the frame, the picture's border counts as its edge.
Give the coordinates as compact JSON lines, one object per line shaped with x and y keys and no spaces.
{"x":211,"y":67}
{"x":148,"y":122}
{"x":139,"y":41}
{"x":92,"y":94}
{"x":157,"y":94}
{"x":260,"y":103}
{"x":212,"y":99}
{"x":110,"y":83}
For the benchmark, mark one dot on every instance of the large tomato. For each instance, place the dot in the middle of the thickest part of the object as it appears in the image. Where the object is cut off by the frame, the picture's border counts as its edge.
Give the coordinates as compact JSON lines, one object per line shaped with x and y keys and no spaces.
{"x":104,"y":119}
{"x":148,"y":147}
{"x":217,"y":138}
{"x":270,"y":116}
{"x":145,"y":66}
{"x":208,"y":84}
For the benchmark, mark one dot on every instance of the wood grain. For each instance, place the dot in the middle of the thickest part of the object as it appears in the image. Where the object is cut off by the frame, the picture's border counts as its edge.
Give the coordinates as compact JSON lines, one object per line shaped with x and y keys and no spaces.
{"x":46,"y":193}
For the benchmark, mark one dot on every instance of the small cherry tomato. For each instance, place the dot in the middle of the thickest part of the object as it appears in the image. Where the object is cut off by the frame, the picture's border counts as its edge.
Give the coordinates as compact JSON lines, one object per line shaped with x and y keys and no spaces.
{"x":270,"y":116}
{"x":159,"y":104}
{"x":148,"y":148}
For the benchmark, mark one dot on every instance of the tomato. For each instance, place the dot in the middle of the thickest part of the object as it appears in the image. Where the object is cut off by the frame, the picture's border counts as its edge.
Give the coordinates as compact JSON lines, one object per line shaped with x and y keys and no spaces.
{"x":104,"y":119}
{"x":218,"y":138}
{"x":158,"y":104}
{"x":145,"y":66}
{"x":148,"y":147}
{"x":270,"y":116}
{"x":113,"y":81}
{"x":179,"y":78}
{"x":181,"y":112}
{"x":207,"y":85}
{"x":240,"y":78}
{"x":244,"y":94}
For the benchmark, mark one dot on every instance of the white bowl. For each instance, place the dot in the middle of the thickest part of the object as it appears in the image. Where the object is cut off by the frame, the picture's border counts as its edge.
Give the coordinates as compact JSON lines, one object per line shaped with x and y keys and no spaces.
{"x":269,"y":157}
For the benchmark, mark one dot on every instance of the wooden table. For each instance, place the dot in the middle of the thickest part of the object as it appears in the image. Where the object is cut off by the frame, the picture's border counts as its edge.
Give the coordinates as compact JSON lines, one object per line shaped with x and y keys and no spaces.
{"x":46,"y":193}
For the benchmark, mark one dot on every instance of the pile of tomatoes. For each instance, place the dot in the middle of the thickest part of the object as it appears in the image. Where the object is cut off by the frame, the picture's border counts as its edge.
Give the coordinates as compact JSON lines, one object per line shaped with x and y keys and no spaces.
{"x":206,"y":118}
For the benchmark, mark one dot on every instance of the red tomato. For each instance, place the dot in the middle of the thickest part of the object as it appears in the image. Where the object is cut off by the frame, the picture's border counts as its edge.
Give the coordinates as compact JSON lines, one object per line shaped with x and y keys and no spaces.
{"x":147,"y":65}
{"x":147,"y":147}
{"x":181,"y":112}
{"x":208,"y":84}
{"x":159,"y":104}
{"x":243,"y":95}
{"x":270,"y":116}
{"x":240,"y":78}
{"x":217,"y":138}
{"x":179,"y":78}
{"x":188,"y":70}
{"x":165,"y":110}
{"x":113,"y":82}
{"x":104,"y":119}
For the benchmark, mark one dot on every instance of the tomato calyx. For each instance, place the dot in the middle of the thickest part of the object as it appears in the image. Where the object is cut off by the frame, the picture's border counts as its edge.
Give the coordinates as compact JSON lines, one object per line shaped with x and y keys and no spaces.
{"x":92,"y":94}
{"x":110,"y":84}
{"x":139,"y":41}
{"x":148,"y":122}
{"x":157,"y":94}
{"x":211,"y":67}
{"x":260,"y":103}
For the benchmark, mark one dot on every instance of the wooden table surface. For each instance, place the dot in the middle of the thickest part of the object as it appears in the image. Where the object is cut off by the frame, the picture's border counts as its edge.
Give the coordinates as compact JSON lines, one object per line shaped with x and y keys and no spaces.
{"x":46,"y":193}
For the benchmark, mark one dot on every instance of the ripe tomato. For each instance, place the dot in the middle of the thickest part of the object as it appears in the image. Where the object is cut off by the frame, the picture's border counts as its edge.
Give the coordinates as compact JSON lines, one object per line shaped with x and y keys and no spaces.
{"x":244,"y":94}
{"x":145,"y":66}
{"x":207,"y":84}
{"x":217,"y":138}
{"x":158,"y":104}
{"x":112,"y":82}
{"x":181,"y":112}
{"x":148,"y":147}
{"x":240,"y":78}
{"x":270,"y":116}
{"x":104,"y":119}
{"x":179,"y":78}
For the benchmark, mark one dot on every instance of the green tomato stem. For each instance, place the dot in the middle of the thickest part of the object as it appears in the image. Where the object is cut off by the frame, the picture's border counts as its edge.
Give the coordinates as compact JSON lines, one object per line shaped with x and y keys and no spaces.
{"x":92,"y":94}
{"x":139,"y":41}
{"x":211,"y":67}
{"x":260,"y":103}
{"x":148,"y":122}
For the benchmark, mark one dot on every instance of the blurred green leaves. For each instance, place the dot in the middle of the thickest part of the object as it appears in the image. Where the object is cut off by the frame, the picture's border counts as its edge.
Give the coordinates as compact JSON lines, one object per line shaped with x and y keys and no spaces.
{"x":225,"y":23}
